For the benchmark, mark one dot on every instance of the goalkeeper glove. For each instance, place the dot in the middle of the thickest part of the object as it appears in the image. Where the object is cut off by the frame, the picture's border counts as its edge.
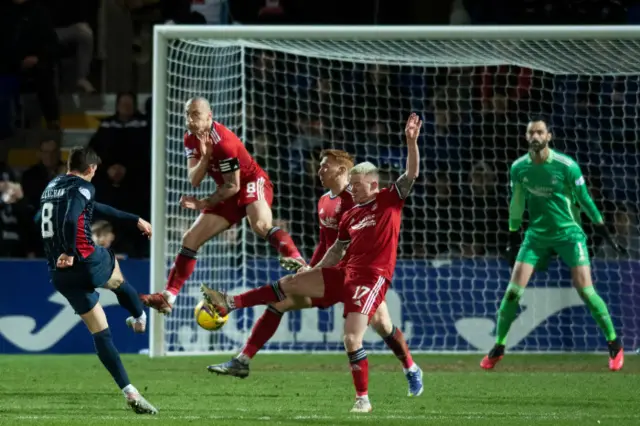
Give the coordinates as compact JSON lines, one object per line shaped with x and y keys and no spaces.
{"x":511,"y":253}
{"x":602,"y":229}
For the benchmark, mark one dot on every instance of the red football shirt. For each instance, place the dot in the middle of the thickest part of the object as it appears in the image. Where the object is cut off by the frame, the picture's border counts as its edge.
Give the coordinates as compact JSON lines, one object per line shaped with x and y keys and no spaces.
{"x":373,"y":232}
{"x":330,"y":211}
{"x":226,"y":146}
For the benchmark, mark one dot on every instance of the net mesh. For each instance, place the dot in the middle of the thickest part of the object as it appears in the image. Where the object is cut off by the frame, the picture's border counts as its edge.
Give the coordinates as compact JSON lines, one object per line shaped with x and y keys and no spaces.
{"x":290,"y":99}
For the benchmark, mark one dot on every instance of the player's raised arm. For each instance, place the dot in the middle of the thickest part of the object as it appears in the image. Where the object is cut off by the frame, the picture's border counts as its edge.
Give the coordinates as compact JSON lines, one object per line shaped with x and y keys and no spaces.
{"x":412,"y":132}
{"x":197,"y":167}
{"x":198,"y":119}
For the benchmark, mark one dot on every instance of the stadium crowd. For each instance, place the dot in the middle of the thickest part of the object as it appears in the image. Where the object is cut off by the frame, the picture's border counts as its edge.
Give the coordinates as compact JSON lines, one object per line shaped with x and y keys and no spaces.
{"x":474,"y":120}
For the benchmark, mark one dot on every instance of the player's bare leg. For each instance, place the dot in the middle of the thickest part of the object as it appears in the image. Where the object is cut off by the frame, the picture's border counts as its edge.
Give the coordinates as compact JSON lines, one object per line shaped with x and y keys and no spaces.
{"x":393,"y":337}
{"x":305,"y":284}
{"x":262,"y":331}
{"x":520,"y":277}
{"x":203,"y":229}
{"x":128,"y":299}
{"x":260,"y":218}
{"x":355,"y":325}
{"x":581,"y":276}
{"x":96,"y":322}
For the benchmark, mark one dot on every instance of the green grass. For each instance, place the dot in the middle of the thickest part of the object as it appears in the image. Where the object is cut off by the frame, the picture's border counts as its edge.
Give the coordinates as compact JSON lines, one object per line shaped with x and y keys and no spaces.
{"x":317,"y":390}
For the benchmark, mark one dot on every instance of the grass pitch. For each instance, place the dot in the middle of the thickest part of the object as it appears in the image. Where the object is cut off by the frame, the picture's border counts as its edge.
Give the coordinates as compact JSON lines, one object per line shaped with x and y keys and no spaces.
{"x":317,"y":390}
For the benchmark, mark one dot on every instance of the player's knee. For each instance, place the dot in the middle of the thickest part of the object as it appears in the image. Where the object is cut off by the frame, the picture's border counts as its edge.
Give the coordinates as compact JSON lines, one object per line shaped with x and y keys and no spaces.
{"x":191,"y":240}
{"x":581,"y":278}
{"x":261,"y":227}
{"x":352,"y":342}
{"x":114,"y":283}
{"x":382,"y":326}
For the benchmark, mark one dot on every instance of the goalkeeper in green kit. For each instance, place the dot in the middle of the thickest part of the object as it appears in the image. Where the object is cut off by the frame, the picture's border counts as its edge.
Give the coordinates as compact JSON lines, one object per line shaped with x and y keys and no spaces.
{"x":551,"y":184}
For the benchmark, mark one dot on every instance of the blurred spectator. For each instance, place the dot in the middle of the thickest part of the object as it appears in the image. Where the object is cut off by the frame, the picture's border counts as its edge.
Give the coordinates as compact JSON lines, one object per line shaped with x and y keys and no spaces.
{"x":485,"y":212}
{"x":36,"y":178}
{"x":103,"y":236}
{"x":443,"y":224}
{"x":73,"y":21}
{"x":16,"y":223}
{"x":123,"y":142}
{"x":627,"y":234}
{"x":29,"y":51}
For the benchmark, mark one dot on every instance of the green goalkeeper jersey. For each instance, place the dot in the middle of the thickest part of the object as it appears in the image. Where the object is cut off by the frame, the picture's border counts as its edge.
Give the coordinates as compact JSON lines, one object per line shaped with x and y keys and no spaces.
{"x":552,"y":190}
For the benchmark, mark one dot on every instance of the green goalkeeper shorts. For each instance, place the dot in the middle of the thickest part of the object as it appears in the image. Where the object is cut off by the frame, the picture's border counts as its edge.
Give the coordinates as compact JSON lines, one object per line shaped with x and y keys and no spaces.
{"x":572,"y":251}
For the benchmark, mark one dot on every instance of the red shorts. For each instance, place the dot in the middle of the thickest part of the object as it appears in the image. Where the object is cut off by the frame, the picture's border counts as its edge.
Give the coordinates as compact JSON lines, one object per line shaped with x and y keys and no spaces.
{"x":234,"y":209}
{"x":361,"y":292}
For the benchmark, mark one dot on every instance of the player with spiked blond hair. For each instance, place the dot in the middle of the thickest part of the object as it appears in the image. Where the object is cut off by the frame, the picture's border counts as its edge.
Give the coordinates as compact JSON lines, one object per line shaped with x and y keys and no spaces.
{"x":334,"y":176}
{"x":368,"y":237}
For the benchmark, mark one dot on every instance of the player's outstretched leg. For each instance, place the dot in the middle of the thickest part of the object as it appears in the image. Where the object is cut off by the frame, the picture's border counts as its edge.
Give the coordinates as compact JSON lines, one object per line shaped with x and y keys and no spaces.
{"x":96,"y":322}
{"x":394,"y":338}
{"x":204,"y":228}
{"x":582,"y":280}
{"x":263,"y":329}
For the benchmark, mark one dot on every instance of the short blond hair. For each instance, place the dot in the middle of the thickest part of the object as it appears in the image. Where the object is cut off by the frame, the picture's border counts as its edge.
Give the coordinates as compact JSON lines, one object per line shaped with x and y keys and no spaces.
{"x":366,"y":168}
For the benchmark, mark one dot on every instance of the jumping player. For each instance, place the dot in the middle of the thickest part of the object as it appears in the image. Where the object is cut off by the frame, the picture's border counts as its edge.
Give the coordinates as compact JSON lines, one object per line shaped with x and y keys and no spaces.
{"x":243,"y":189}
{"x":369,"y":235}
{"x":334,"y":176}
{"x":551,"y":184}
{"x":78,"y":267}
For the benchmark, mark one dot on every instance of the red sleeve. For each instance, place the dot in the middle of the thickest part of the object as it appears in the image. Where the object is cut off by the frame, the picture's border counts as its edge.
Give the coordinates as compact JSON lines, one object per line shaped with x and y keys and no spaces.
{"x":321,"y":249}
{"x":228,"y":142}
{"x":226,"y":150}
{"x":190,"y":149}
{"x":391,"y":197}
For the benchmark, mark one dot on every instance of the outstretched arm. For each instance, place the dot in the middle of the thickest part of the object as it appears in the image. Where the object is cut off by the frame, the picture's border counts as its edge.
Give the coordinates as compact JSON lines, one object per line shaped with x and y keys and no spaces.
{"x":114,"y":213}
{"x":333,"y":255}
{"x":406,"y":180}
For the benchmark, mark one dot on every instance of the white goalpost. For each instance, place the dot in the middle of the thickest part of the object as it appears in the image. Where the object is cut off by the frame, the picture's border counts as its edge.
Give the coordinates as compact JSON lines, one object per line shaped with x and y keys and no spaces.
{"x":290,"y":91}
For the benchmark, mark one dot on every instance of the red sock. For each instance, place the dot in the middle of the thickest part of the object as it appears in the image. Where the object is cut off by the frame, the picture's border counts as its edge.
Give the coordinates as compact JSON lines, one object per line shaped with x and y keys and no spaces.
{"x":360,"y":371}
{"x":399,"y":346}
{"x":259,"y":296}
{"x":181,"y":271}
{"x":282,"y":241}
{"x":262,"y":331}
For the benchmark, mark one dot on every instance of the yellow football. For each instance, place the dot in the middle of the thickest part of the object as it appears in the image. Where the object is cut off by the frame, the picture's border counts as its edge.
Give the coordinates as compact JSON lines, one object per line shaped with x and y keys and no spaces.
{"x":208,"y":318}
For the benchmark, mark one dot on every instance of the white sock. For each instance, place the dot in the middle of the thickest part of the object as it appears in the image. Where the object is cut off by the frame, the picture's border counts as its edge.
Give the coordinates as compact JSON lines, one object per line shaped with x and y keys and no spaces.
{"x":129,"y":389}
{"x":171,"y":298}
{"x":243,"y":358}
{"x":413,"y":368}
{"x":363,"y":397}
{"x":142,"y":317}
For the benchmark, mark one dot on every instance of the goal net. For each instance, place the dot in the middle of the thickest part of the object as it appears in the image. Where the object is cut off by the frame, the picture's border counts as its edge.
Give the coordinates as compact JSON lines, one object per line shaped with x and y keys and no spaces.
{"x":290,"y":95}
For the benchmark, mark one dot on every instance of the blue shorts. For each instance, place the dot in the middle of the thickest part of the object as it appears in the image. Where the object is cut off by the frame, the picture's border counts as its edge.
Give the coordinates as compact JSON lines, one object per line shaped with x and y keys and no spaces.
{"x":78,"y":284}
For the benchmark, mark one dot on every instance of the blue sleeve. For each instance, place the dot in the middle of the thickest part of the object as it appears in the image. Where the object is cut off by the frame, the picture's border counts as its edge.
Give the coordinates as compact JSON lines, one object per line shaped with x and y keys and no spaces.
{"x":75,"y":206}
{"x":109,"y":211}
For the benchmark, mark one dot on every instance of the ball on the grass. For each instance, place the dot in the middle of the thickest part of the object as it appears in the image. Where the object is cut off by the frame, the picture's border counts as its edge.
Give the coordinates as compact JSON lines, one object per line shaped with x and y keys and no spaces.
{"x":208,"y":318}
